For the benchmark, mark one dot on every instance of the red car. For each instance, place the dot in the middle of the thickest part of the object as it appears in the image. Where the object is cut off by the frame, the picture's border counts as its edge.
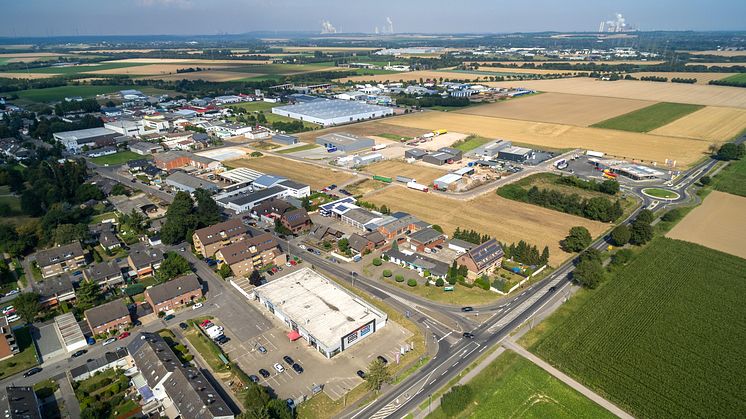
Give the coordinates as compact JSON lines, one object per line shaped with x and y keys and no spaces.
{"x":204,"y":322}
{"x":292,"y":262}
{"x":123,"y":335}
{"x":274,"y":269}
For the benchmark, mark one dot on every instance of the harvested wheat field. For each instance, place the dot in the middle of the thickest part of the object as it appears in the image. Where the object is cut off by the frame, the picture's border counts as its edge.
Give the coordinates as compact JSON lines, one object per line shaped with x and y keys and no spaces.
{"x":631,"y":89}
{"x":208,"y":75}
{"x":540,"y":63}
{"x":393,"y":168}
{"x":186,"y":61}
{"x":315,"y":176}
{"x":149,"y":69}
{"x":717,"y":64}
{"x":702,"y":78}
{"x":719,"y":223}
{"x":413,"y":76}
{"x":718,"y":53}
{"x":506,"y":220}
{"x":559,"y":108}
{"x":712,"y":124}
{"x":513,"y":70}
{"x":628,"y":145}
{"x":27,"y":75}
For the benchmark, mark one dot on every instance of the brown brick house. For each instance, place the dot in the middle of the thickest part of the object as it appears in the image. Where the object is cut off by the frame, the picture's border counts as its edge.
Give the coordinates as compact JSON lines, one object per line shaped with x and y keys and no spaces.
{"x":482,"y":259}
{"x":174,"y":293}
{"x":253,"y":253}
{"x":8,"y":344}
{"x":144,"y":260}
{"x":296,"y":220}
{"x":427,"y":238}
{"x":113,"y":315}
{"x":210,"y":239}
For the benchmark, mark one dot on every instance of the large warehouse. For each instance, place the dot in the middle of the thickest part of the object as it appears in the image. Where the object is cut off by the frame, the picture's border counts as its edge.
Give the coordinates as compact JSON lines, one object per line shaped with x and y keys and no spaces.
{"x":328,"y":112}
{"x":318,"y":310}
{"x":343,"y":141}
{"x":74,"y":141}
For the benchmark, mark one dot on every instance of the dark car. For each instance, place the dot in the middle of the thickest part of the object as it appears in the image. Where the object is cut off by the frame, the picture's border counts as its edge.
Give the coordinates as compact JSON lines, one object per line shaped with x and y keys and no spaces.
{"x":552,"y":289}
{"x":297,"y":368}
{"x":264,"y":373}
{"x":361,"y":374}
{"x":32,"y":371}
{"x":183,"y":326}
{"x":382,"y":359}
{"x":288,"y":360}
{"x":79,"y":353}
{"x":467,"y":309}
{"x":254,"y":378}
{"x":222,"y":339}
{"x":169,"y":317}
{"x":468,"y":335}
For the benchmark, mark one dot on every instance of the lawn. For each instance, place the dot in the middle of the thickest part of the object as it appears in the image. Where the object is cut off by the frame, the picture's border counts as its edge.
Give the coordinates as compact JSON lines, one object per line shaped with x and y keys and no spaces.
{"x":732,"y":179}
{"x":97,"y":219}
{"x":738,"y":78}
{"x":394,"y":137}
{"x":460,"y":295}
{"x":513,"y":387}
{"x":22,"y":360}
{"x":660,"y":193}
{"x":303,"y":147}
{"x":254,"y":106}
{"x":470,"y":143}
{"x":117,"y":158}
{"x":648,"y":118}
{"x":663,"y":337}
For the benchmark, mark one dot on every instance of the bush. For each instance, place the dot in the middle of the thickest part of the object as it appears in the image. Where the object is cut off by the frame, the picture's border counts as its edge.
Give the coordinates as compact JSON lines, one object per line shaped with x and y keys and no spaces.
{"x":674,"y":215}
{"x":456,"y":400}
{"x":622,"y":257}
{"x":705,"y":180}
{"x":439,"y":282}
{"x":412,"y":282}
{"x":134,"y":289}
{"x":399,"y":278}
{"x":377,"y":262}
{"x":483,"y":282}
{"x":387,"y":273}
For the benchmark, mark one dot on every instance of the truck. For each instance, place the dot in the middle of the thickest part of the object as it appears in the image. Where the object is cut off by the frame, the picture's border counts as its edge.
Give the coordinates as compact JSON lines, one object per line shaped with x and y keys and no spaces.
{"x":440,"y":132}
{"x":383,"y":179}
{"x":379,"y":147}
{"x":331,"y":149}
{"x":417,"y":186}
{"x":594,"y":153}
{"x":561,"y":164}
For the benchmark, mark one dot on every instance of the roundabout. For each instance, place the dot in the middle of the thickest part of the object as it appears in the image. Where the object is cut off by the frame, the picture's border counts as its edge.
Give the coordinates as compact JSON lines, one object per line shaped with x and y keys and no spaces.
{"x":660,"y":193}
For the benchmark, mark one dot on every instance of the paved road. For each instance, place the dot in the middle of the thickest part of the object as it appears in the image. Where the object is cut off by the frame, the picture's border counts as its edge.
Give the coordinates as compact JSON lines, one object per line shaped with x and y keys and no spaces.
{"x":110,"y":172}
{"x":72,"y":407}
{"x":567,"y":380}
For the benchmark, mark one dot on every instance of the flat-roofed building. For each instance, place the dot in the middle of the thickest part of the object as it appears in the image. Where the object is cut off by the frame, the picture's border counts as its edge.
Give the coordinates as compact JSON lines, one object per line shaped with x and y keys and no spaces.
{"x":74,"y":141}
{"x":8,"y":343}
{"x":69,"y":332}
{"x":346,"y":142}
{"x":20,"y":403}
{"x":188,"y":183}
{"x":327,"y":112}
{"x":315,"y":308}
{"x":210,"y":239}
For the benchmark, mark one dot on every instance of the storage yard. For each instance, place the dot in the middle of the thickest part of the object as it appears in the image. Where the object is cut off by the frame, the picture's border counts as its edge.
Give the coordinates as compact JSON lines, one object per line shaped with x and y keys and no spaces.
{"x":315,"y":176}
{"x":559,"y":108}
{"x":393,"y":168}
{"x":506,"y":220}
{"x":710,"y":124}
{"x":719,"y":223}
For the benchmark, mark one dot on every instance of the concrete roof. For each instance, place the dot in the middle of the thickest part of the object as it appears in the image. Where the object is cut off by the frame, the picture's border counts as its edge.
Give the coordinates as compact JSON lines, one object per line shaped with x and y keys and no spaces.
{"x":319,"y":305}
{"x":82,"y":134}
{"x":328,"y":109}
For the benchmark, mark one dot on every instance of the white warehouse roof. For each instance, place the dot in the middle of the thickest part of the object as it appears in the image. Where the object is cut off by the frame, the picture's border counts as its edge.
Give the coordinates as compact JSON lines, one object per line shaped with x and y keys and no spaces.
{"x":241,"y":175}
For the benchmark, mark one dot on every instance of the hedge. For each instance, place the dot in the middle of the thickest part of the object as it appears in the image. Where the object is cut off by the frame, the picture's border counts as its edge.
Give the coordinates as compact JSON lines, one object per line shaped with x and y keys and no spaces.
{"x":412,"y":282}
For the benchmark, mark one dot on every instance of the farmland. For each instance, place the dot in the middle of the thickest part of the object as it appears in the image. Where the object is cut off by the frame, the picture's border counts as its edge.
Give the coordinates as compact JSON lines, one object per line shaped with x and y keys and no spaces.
{"x":732,"y":179}
{"x":644,"y":147}
{"x":719,"y":223}
{"x":82,"y":68}
{"x":648,"y":118}
{"x":414,"y":76}
{"x":374,"y":127}
{"x":517,"y":221}
{"x":53,"y":94}
{"x":740,"y":78}
{"x":394,"y":168}
{"x":662,"y":337}
{"x":631,"y":89}
{"x":713,"y":124}
{"x":559,"y":108}
{"x":315,"y":176}
{"x":513,"y":387}
{"x":702,"y":78}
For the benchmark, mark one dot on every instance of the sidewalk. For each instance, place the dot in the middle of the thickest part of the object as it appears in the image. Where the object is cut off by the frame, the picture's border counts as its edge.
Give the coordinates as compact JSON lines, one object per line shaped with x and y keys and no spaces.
{"x":567,"y":380}
{"x":71,"y":402}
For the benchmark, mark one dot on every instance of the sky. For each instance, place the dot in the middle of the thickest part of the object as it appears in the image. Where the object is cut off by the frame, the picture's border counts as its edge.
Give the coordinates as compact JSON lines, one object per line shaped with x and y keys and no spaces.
{"x":211,"y":17}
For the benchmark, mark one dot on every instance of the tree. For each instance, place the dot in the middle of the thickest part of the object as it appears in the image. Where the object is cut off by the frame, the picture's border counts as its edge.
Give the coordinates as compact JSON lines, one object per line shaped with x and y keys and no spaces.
{"x":640,"y":233}
{"x":705,"y":180}
{"x":437,"y":228}
{"x":178,"y":219}
{"x":255,"y":399}
{"x":119,"y":189}
{"x":609,"y":186}
{"x":208,"y":211}
{"x":378,"y":375}
{"x":135,"y":221}
{"x":621,"y":257}
{"x":255,"y":278}
{"x":68,"y":233}
{"x":174,"y":265}
{"x":27,"y":306}
{"x":588,"y":273}
{"x":544,"y":256}
{"x":578,"y":239}
{"x":87,"y":295}
{"x":225,"y":271}
{"x":731,"y":151}
{"x":645,"y":216}
{"x":344,"y":245}
{"x":439,"y":282}
{"x":620,"y":235}
{"x":412,"y":282}
{"x":279,"y":409}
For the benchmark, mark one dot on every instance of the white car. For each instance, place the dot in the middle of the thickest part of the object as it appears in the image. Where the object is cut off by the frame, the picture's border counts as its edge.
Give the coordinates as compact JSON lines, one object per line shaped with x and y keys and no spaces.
{"x":288,"y":264}
{"x":196,"y":306}
{"x":279,"y":368}
{"x":13,"y":318}
{"x":110,"y":340}
{"x":302,"y":246}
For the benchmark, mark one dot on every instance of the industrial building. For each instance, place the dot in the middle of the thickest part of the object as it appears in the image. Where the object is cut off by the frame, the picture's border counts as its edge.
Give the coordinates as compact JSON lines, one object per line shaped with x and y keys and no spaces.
{"x":415,"y":153}
{"x":517,"y":154}
{"x":442,"y":156}
{"x":302,"y":300}
{"x":330,"y":112}
{"x":445,"y":181}
{"x":284,"y":139}
{"x":245,"y":201}
{"x":20,"y":403}
{"x":624,"y":168}
{"x":74,"y":141}
{"x":344,"y":142}
{"x":490,"y":150}
{"x":69,"y":332}
{"x":189,"y":183}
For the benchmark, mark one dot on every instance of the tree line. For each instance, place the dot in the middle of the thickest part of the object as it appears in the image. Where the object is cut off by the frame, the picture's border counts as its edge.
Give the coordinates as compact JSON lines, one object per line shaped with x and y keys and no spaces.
{"x":608,"y":186}
{"x":596,"y":208}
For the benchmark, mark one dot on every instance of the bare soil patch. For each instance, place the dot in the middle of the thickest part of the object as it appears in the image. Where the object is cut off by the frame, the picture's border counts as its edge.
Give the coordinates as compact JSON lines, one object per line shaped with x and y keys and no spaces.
{"x":719,"y":223}
{"x":315,"y":176}
{"x":422,"y":172}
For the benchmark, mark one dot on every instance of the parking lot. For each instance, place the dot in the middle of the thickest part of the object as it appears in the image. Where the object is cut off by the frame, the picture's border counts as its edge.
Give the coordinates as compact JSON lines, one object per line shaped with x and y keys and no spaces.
{"x":337,"y":375}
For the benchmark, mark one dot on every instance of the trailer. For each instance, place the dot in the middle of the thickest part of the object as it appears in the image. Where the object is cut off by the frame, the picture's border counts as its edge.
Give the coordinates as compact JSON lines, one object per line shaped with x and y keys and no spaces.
{"x":594,"y":153}
{"x":417,"y":186}
{"x":379,"y":147}
{"x":382,"y":179}
{"x":404,"y":179}
{"x":440,"y":132}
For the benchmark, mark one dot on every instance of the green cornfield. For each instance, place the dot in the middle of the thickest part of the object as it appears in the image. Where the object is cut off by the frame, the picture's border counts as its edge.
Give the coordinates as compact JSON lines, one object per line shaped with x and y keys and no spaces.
{"x":664,"y":337}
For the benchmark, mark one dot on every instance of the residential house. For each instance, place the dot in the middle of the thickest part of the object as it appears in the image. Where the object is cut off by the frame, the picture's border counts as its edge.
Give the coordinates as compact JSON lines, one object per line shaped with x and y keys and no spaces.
{"x":110,"y":359}
{"x":321,"y":232}
{"x":426,"y":238}
{"x":106,"y":236}
{"x":360,"y":244}
{"x":419,"y":263}
{"x":174,"y":294}
{"x":53,"y":291}
{"x":113,"y":315}
{"x":105,"y":274}
{"x":144,"y":260}
{"x":60,"y":259}
{"x":20,"y":403}
{"x":482,"y":259}
{"x":8,"y":343}
{"x":210,"y":239}
{"x":252,"y":253}
{"x":296,"y":220}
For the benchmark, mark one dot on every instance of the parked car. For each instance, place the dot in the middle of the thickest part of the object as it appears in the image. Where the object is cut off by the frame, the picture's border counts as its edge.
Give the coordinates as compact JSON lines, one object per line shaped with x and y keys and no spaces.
{"x":298,"y":369}
{"x":270,"y":273}
{"x":293,"y":263}
{"x":123,"y":335}
{"x":467,"y":309}
{"x":279,"y":368}
{"x":288,"y":360}
{"x":32,"y":371}
{"x":13,"y":292}
{"x":169,"y":317}
{"x":254,"y":378}
{"x":361,"y":374}
{"x":196,"y":306}
{"x":382,"y":359}
{"x":183,"y":326}
{"x":79,"y":353}
{"x":262,"y":349}
{"x":309,"y":249}
{"x":302,"y":246}
{"x":8,"y":310}
{"x":222,"y":339}
{"x":288,"y":264}
{"x":264,"y":373}
{"x":291,"y":403}
{"x":13,"y":318}
{"x":205,"y":322}
{"x":468,"y":335}
{"x":110,"y":340}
